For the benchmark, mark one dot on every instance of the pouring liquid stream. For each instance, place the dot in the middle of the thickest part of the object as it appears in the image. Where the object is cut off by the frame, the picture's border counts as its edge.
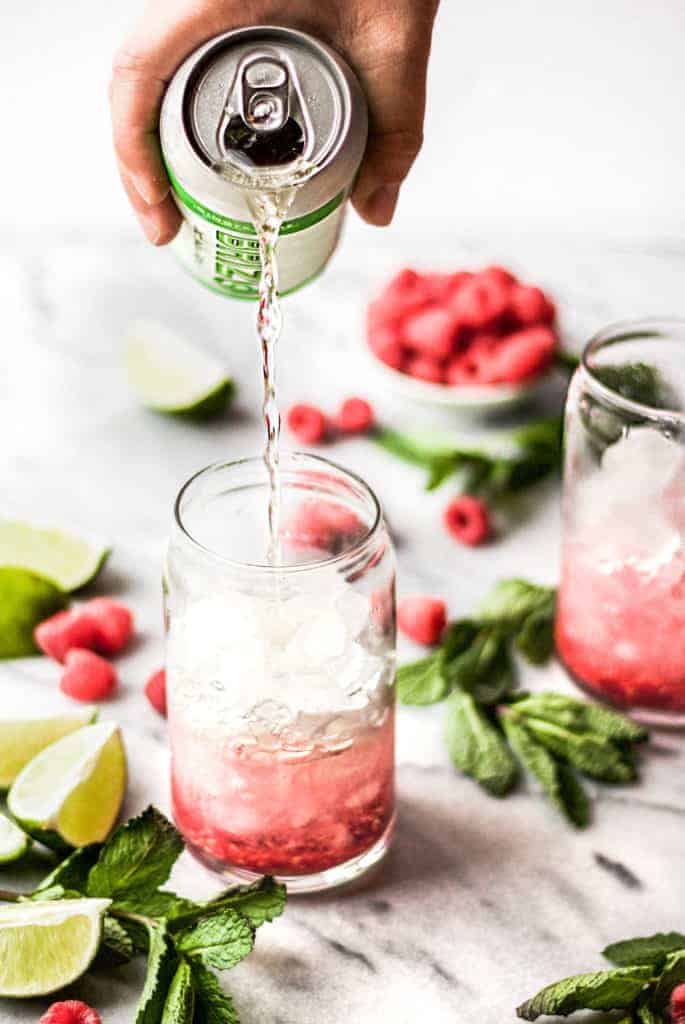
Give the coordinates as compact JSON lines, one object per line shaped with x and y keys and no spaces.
{"x":268,"y":210}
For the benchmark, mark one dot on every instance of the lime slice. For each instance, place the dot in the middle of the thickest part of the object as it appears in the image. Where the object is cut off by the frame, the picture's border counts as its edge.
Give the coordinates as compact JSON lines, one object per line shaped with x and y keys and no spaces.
{"x":71,"y":793}
{"x":25,"y":600}
{"x":22,"y":736}
{"x":13,"y":842}
{"x":69,"y":561}
{"x":47,"y":945}
{"x":171,"y":376}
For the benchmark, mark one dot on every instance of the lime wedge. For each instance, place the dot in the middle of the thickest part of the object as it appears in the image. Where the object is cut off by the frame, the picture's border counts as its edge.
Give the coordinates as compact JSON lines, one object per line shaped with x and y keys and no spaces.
{"x":71,"y":793}
{"x":13,"y":842}
{"x":25,"y":600}
{"x":22,"y":736}
{"x":69,"y":561}
{"x":171,"y":376}
{"x":47,"y":945}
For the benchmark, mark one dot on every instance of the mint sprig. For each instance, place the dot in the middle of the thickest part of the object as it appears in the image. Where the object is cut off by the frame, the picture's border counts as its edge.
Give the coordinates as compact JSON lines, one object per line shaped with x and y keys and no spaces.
{"x":521,"y":458}
{"x":492,"y":730}
{"x":648,"y":970}
{"x":184,"y":941}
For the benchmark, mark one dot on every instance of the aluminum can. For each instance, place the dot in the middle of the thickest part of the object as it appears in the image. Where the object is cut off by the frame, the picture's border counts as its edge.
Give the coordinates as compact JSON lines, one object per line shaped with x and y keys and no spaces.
{"x":261,"y":108}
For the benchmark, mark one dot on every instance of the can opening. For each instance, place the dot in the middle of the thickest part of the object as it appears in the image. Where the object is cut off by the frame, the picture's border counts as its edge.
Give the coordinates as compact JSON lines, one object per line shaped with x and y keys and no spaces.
{"x":264,"y":148}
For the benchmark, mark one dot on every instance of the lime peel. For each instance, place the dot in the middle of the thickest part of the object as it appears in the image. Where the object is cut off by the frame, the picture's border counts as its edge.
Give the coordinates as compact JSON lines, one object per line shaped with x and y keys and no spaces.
{"x":23,"y":736}
{"x":171,"y":376}
{"x":71,"y":793}
{"x":45,"y":945}
{"x":66,"y":559}
{"x":13,"y":841}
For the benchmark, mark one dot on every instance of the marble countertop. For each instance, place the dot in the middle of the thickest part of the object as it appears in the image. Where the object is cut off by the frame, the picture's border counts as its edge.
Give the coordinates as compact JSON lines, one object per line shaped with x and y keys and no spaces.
{"x":480,"y":902}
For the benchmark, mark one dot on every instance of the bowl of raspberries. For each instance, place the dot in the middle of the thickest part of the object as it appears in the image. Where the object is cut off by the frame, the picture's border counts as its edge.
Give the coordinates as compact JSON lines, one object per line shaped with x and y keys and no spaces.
{"x":468,"y":338}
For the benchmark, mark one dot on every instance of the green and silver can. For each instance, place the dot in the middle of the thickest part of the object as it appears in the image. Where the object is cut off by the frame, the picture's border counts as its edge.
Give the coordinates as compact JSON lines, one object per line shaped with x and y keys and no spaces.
{"x":261,"y":108}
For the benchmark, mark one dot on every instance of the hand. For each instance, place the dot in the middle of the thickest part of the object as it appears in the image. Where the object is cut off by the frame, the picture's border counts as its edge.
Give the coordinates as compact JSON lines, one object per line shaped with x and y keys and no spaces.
{"x":387,"y":42}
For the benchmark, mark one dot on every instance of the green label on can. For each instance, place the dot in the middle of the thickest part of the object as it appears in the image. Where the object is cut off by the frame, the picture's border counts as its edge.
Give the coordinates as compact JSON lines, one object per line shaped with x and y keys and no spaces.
{"x":235,"y":262}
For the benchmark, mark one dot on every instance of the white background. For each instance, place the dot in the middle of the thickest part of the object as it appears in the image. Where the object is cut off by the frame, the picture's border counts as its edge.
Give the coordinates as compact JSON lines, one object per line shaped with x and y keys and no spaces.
{"x":551,"y":115}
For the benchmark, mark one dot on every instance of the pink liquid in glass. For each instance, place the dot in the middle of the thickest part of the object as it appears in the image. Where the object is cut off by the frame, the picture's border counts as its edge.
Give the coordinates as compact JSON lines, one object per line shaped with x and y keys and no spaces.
{"x":621,"y":629}
{"x":284,"y":812}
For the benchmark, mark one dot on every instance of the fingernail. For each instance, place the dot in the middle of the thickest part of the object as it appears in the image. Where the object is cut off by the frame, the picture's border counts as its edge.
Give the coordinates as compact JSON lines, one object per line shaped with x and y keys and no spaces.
{"x":381,"y":204}
{"x":151,"y":227}
{"x":150,"y":190}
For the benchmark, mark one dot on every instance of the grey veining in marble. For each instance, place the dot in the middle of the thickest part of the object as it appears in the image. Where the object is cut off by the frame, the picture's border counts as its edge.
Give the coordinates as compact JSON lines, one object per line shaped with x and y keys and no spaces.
{"x":481,"y":901}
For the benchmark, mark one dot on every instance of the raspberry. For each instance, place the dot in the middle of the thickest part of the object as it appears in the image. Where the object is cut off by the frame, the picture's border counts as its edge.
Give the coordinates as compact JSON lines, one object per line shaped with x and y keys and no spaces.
{"x":499,"y":276}
{"x":468,"y":520}
{"x":459,"y":279}
{"x":323,"y":525}
{"x":523,"y":354}
{"x":439,"y":286}
{"x":155,"y":691}
{"x":529,"y":306}
{"x":480,"y":303}
{"x":87,"y":676}
{"x":70,"y":1012}
{"x":380,"y":314}
{"x":307,"y":423}
{"x":406,"y":293}
{"x":677,"y":1005}
{"x":431,"y":332}
{"x":385,"y":344}
{"x":426,"y":369}
{"x":422,"y":619}
{"x":355,"y":416}
{"x":473,"y":365}
{"x":64,"y":631}
{"x":113,"y":624}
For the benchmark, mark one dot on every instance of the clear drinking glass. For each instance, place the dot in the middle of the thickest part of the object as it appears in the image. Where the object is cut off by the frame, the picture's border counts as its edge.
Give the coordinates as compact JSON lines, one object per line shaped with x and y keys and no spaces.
{"x":281,"y":679}
{"x":621,"y":614}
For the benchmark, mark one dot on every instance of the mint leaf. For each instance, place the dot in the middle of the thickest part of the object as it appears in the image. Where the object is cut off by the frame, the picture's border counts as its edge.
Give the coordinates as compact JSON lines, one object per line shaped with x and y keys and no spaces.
{"x":161,"y":967}
{"x":558,"y":783}
{"x":261,"y":902}
{"x":535,"y":638}
{"x":157,"y":903}
{"x":581,"y":716}
{"x":477,"y":747}
{"x":56,"y":892}
{"x":673,"y":973}
{"x":406,"y":448}
{"x":603,"y":990}
{"x":212,"y":1004}
{"x":510,"y":602}
{"x":594,"y":756}
{"x":638,"y":382}
{"x":652,"y":950}
{"x":73,"y":872}
{"x":221,"y":940}
{"x":136,"y":860}
{"x":422,"y":682}
{"x":483,"y":668}
{"x":180,"y":1002}
{"x":117,"y":947}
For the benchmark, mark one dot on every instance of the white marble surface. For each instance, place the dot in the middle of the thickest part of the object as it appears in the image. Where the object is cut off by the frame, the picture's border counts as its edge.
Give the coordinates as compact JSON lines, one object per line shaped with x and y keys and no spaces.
{"x":480,"y":901}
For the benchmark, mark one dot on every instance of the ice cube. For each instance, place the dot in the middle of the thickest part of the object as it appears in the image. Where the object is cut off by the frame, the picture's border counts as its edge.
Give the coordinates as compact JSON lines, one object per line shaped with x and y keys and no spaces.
{"x":355,"y":610}
{"x":642,"y":464}
{"x":318,"y":640}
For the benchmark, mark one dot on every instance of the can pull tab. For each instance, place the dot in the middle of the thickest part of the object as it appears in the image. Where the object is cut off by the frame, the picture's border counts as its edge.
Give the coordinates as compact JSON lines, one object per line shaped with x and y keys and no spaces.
{"x":264,"y":94}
